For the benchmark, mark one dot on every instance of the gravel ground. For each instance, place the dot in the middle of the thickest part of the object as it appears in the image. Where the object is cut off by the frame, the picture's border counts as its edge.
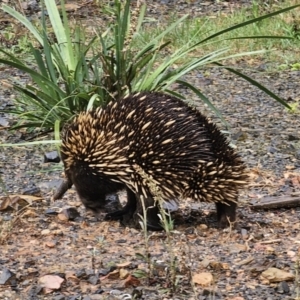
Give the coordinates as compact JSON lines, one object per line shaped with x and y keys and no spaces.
{"x":44,"y":239}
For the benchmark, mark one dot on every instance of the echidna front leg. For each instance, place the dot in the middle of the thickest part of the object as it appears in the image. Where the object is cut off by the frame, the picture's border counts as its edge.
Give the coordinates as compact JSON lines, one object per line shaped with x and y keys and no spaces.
{"x":226,"y":213}
{"x":65,"y":185}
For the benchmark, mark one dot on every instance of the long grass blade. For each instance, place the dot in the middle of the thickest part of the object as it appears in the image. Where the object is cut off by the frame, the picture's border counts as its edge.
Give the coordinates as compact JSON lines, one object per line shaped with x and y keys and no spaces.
{"x":246,"y":23}
{"x":61,"y":31}
{"x":255,"y":83}
{"x":204,"y":99}
{"x":44,"y":142}
{"x":24,"y":21}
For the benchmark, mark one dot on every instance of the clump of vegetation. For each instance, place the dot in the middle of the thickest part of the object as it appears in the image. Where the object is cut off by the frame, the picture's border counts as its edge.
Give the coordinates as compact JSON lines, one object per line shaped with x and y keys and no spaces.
{"x":71,"y":74}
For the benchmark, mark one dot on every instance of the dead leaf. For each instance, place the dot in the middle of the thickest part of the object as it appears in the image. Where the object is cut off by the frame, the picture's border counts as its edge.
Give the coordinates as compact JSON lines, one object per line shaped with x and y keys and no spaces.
{"x":131,"y":281}
{"x":16,"y":201}
{"x":113,"y":275}
{"x":5,"y":203}
{"x":29,"y":198}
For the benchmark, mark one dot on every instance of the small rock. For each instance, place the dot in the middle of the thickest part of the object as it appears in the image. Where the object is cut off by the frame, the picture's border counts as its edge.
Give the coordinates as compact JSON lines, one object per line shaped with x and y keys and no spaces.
{"x":81,"y":273}
{"x":90,"y":272}
{"x":70,"y":213}
{"x":283,"y":288}
{"x":6,"y":218}
{"x":51,"y":157}
{"x":50,"y":212}
{"x":50,"y":244}
{"x":115,"y":292}
{"x":244,"y":233}
{"x":62,"y":217}
{"x":203,"y":279}
{"x":52,"y":185}
{"x":205,"y":262}
{"x":7,"y":277}
{"x":3,"y":122}
{"x":45,"y":232}
{"x":3,"y":261}
{"x":104,"y":272}
{"x":277,"y":275}
{"x":93,"y":280}
{"x":33,"y":191}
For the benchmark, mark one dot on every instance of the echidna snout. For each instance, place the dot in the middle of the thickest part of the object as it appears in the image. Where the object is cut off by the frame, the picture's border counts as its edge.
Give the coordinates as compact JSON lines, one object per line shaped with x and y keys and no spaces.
{"x":184,"y":154}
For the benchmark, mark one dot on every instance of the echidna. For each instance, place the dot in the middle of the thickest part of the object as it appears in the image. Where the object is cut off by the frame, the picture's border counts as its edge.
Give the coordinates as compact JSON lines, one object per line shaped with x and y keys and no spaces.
{"x":185,"y":154}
